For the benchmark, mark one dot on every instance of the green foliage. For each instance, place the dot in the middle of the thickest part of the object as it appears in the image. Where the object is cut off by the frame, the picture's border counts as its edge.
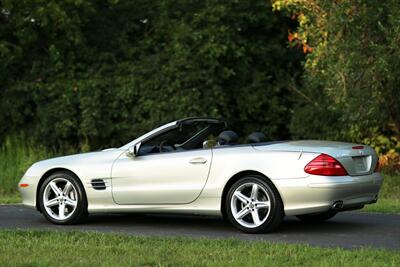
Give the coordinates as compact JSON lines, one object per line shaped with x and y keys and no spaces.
{"x":352,"y":76}
{"x":10,"y":198}
{"x":383,"y":144}
{"x":99,"y":73}
{"x":17,"y":153}
{"x":389,"y":196}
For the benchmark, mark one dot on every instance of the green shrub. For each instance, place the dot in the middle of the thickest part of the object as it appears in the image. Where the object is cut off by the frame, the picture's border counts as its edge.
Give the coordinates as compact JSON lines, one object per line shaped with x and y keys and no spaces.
{"x":102,"y":72}
{"x":17,"y":154}
{"x":352,"y":75}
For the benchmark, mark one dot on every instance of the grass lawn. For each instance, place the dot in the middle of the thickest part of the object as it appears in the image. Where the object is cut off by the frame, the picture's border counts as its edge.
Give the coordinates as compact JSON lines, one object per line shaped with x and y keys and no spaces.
{"x":389,"y":196}
{"x":35,"y":248}
{"x":384,"y":206}
{"x":9,"y":198}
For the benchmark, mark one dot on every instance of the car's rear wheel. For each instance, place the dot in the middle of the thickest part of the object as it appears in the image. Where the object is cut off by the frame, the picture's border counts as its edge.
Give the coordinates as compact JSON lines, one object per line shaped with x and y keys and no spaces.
{"x":62,"y":199}
{"x":317,"y":217}
{"x":253,"y":205}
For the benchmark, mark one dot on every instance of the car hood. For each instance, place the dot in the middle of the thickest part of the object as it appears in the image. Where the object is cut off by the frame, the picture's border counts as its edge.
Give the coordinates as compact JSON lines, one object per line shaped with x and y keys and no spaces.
{"x":75,"y":161}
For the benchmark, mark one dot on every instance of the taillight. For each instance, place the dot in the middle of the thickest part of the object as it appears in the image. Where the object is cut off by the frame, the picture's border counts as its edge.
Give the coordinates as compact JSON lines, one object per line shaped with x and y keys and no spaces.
{"x":325,"y":165}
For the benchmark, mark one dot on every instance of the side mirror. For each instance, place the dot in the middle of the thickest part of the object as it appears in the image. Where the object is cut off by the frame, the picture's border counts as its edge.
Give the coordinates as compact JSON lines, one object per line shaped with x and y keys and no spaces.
{"x":209,"y":144}
{"x":133,"y":151}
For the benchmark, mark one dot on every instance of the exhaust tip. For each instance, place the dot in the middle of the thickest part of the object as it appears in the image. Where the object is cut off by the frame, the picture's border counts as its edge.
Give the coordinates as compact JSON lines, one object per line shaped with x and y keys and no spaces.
{"x":338,"y":205}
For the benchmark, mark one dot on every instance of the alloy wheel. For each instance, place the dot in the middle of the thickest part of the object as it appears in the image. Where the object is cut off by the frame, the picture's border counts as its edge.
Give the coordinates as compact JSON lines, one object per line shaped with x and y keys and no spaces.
{"x":250,"y":205}
{"x":60,"y":199}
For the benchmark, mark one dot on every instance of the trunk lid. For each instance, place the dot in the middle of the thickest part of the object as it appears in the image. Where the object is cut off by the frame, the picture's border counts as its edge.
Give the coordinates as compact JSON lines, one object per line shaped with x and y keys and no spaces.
{"x":356,"y":159}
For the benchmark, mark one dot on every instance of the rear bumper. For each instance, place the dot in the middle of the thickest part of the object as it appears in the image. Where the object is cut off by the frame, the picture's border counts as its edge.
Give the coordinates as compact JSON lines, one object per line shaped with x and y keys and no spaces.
{"x":318,"y":193}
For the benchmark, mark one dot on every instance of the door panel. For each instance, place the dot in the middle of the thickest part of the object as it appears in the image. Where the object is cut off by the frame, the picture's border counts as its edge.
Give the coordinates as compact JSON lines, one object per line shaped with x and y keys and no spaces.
{"x":162,"y":178}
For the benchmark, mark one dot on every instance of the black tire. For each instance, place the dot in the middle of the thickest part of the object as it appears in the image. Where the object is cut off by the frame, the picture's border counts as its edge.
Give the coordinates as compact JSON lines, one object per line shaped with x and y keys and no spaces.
{"x":276,"y":212}
{"x":317,"y":217}
{"x":80,"y":213}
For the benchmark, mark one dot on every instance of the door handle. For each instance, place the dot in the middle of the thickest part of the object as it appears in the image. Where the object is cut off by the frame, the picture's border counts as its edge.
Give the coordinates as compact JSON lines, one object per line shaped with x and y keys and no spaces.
{"x":198,"y":161}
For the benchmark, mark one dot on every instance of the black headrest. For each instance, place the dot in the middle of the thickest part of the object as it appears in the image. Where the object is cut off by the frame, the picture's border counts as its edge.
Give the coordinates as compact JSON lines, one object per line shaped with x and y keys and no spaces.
{"x":256,"y":137}
{"x":227,"y":138}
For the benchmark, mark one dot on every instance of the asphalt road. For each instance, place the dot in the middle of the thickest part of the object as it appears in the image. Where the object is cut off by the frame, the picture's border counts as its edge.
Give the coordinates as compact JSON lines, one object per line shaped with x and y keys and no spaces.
{"x":347,"y":229}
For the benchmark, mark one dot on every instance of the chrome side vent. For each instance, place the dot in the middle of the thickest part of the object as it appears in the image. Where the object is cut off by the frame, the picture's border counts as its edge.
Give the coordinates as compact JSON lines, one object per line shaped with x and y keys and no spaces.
{"x":98,"y":184}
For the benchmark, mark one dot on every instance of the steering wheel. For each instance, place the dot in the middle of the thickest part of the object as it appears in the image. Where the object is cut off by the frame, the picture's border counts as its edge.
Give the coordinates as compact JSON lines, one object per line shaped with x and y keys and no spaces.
{"x":161,"y":145}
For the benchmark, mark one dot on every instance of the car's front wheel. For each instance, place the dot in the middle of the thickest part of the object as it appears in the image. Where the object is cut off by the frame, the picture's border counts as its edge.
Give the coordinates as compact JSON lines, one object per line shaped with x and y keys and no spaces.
{"x":62,"y":199}
{"x":253,"y":205}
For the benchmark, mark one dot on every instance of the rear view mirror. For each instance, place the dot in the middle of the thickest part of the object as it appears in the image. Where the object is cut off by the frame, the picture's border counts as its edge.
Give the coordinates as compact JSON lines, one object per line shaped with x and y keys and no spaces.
{"x":133,"y":151}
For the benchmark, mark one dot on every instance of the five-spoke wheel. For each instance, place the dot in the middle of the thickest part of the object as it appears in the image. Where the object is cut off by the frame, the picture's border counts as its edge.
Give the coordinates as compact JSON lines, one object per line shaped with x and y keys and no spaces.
{"x":62,"y":199}
{"x":253,"y":205}
{"x":250,"y":205}
{"x":59,"y":199}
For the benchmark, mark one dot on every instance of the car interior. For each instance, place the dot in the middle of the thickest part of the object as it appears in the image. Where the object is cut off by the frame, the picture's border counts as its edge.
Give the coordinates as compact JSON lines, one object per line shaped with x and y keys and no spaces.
{"x":197,"y":134}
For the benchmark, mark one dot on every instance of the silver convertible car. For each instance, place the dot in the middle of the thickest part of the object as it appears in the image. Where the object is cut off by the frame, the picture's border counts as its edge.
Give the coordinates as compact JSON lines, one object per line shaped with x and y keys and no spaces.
{"x":197,"y":166}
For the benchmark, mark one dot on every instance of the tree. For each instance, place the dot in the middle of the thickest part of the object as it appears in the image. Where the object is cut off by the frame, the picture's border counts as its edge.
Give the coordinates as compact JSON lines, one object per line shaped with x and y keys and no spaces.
{"x":102,"y":72}
{"x":352,"y":72}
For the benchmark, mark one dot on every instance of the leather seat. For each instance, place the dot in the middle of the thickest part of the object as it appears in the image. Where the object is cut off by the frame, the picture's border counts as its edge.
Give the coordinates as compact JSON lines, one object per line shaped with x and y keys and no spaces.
{"x":228,"y":138}
{"x":256,"y":137}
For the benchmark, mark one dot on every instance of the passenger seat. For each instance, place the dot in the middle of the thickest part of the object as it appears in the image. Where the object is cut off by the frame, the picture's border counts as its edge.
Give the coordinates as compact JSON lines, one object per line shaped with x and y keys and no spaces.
{"x":256,"y":137}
